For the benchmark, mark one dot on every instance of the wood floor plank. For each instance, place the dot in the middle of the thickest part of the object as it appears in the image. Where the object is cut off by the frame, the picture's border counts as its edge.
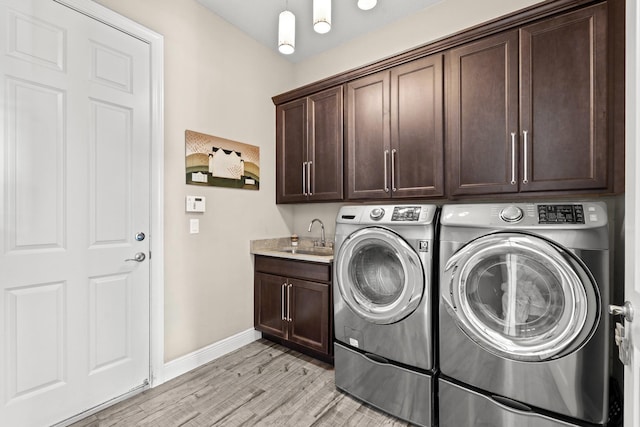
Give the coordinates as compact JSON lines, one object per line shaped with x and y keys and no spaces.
{"x":261,"y":384}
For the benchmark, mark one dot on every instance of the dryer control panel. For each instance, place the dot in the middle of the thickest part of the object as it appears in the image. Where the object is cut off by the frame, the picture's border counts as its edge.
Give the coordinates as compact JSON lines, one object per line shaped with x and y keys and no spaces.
{"x":560,"y":214}
{"x":547,"y":216}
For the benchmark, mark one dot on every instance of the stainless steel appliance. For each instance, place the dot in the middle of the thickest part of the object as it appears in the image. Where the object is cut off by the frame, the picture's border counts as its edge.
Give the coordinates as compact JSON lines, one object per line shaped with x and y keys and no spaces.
{"x":524,"y":339}
{"x":383,"y":307}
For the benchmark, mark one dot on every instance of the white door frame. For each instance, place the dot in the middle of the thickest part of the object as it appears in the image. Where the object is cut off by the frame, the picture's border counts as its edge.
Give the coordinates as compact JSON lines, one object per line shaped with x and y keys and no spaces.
{"x":632,"y":209}
{"x":156,"y":253}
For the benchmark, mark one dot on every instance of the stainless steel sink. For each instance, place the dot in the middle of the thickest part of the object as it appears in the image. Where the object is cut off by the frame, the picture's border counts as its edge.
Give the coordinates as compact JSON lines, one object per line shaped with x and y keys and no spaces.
{"x":316,"y":250}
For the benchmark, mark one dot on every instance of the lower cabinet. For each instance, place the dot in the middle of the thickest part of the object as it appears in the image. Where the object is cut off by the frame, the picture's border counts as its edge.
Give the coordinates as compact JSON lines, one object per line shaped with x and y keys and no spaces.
{"x":292,"y":304}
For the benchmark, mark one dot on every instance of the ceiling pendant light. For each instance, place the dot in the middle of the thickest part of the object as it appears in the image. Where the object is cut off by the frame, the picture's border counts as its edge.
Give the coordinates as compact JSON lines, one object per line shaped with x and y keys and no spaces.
{"x":322,"y":16}
{"x":367,"y":4}
{"x":287,"y":32}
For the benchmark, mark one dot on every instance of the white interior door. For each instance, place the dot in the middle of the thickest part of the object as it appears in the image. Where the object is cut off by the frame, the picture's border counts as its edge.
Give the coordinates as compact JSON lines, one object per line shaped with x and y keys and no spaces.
{"x":74,"y":194}
{"x":632,"y":213}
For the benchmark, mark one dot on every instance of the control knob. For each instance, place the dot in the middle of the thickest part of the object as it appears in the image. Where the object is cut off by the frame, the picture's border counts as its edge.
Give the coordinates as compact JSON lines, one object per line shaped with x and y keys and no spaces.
{"x":376,"y":214}
{"x":511,"y":214}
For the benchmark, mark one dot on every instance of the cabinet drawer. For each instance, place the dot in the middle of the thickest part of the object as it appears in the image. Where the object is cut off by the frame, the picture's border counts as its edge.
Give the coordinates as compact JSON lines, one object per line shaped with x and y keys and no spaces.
{"x":293,"y":268}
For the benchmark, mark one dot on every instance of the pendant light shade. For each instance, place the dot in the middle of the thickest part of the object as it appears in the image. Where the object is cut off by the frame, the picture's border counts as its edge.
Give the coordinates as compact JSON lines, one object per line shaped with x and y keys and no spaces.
{"x":322,"y":16}
{"x":367,"y":4}
{"x":287,"y":32}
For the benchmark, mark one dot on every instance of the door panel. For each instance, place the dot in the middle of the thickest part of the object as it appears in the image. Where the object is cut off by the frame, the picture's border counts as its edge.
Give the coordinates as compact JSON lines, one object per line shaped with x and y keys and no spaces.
{"x":74,"y":186}
{"x":325,"y":144}
{"x":109,"y":337}
{"x":417,"y":132}
{"x":35,"y":325}
{"x":110,"y":144}
{"x":368,"y":137}
{"x":270,"y":304}
{"x":309,"y":305}
{"x":563,"y":101}
{"x":35,"y":41}
{"x":291,"y":119}
{"x":35,"y":216}
{"x":482,"y":115}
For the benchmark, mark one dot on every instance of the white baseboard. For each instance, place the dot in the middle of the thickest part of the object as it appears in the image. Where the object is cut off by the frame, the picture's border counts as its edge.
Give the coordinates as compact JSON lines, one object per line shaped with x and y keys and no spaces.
{"x":190,"y":361}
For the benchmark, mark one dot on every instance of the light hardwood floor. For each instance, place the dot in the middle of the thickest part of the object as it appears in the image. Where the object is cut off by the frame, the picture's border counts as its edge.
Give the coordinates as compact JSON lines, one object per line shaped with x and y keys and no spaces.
{"x":261,"y":384}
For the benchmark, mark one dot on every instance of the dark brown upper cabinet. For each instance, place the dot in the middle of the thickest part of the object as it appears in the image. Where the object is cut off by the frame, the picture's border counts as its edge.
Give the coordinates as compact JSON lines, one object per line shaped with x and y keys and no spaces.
{"x":394,"y":131}
{"x":527,"y":108}
{"x":309,"y":148}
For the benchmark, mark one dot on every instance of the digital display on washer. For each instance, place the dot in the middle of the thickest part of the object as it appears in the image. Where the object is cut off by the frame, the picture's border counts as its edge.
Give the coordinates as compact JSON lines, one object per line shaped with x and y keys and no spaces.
{"x":560,"y":214}
{"x":406,"y":213}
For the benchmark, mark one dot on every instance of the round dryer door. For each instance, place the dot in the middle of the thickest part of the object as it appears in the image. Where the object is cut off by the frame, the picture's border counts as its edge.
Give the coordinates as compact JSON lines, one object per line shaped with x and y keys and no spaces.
{"x":521,"y":297}
{"x":379,"y":276}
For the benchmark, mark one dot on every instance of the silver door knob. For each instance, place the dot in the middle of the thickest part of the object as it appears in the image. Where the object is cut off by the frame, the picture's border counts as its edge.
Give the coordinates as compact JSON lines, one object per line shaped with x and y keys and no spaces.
{"x":139,"y":257}
{"x":625,"y":311}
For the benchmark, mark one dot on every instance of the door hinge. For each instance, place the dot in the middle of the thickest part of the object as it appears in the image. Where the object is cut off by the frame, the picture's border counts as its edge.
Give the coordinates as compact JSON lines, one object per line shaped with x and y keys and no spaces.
{"x":622,"y":341}
{"x":620,"y":335}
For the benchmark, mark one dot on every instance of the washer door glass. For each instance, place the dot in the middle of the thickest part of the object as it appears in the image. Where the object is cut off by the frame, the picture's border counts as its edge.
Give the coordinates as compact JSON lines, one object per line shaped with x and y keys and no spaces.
{"x":379,"y":276}
{"x":521,"y":297}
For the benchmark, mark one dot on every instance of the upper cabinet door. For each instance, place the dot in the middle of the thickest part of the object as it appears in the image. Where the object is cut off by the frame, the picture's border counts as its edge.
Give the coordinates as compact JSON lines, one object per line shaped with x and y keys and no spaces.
{"x":563,"y":102}
{"x":394,"y":127}
{"x":309,"y":148}
{"x":291,"y":142}
{"x":482,"y":116}
{"x":325,"y":145}
{"x":367,"y":128}
{"x":417,"y":136}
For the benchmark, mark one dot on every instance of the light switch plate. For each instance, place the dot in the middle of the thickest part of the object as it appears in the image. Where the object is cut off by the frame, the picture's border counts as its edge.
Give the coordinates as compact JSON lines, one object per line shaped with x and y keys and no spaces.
{"x":194,"y":225}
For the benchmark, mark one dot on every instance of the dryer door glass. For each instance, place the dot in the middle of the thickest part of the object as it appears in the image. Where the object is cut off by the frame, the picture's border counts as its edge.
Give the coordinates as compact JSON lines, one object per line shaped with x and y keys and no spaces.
{"x":376,"y":274}
{"x":521,"y":297}
{"x":516,"y":294}
{"x":379,"y":276}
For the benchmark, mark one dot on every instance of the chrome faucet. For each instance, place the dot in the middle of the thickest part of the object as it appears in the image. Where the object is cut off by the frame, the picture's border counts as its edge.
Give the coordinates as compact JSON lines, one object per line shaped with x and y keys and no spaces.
{"x":323,"y":242}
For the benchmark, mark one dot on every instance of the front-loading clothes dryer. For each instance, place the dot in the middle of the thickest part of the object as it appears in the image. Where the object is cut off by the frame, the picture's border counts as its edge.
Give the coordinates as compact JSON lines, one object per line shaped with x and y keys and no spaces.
{"x":383,"y":307}
{"x":524,"y":339}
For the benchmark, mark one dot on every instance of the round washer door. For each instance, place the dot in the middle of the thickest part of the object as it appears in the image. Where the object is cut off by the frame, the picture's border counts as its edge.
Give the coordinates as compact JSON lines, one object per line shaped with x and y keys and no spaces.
{"x":521,"y":297}
{"x":379,"y":276}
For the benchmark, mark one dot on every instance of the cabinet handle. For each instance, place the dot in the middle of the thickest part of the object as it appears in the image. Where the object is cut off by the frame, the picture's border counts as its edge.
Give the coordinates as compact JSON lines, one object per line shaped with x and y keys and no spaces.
{"x":393,"y":170}
{"x":513,"y":158}
{"x":525,"y":178}
{"x":289,"y":302}
{"x":309,"y":163}
{"x":386,"y":175}
{"x":304,"y":181}
{"x":284,"y":285}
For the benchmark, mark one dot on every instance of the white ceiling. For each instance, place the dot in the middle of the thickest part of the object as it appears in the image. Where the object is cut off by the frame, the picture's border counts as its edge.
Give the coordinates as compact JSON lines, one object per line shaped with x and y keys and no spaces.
{"x":259,"y":19}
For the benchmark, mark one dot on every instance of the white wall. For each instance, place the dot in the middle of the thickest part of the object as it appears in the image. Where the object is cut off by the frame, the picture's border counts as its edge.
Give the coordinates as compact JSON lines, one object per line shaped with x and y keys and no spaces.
{"x":220,"y":82}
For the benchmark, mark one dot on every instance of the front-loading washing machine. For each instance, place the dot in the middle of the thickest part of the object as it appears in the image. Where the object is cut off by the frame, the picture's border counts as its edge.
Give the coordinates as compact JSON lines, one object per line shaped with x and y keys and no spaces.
{"x":383,"y":307}
{"x":523,"y":334}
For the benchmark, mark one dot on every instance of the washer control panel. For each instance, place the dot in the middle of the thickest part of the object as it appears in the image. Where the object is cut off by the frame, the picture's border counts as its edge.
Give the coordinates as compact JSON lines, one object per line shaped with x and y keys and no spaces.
{"x":414,"y":214}
{"x":511,"y":214}
{"x":560,"y":214}
{"x":376,"y":214}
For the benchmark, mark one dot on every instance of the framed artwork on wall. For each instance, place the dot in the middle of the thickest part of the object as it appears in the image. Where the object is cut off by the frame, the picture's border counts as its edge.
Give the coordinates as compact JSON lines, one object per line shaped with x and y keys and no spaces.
{"x":220,"y":162}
